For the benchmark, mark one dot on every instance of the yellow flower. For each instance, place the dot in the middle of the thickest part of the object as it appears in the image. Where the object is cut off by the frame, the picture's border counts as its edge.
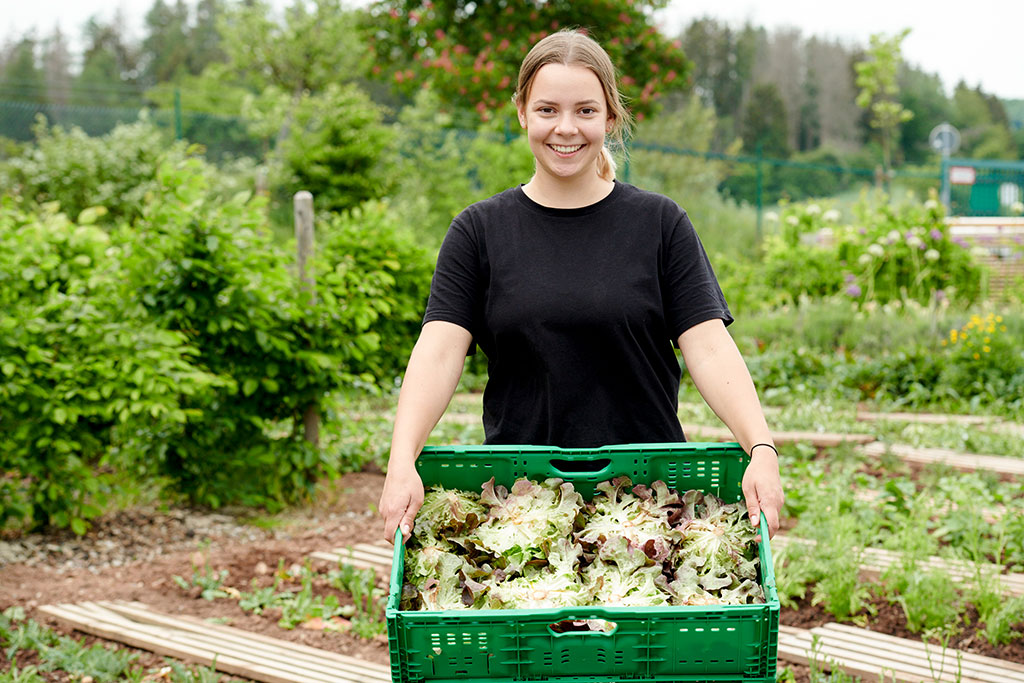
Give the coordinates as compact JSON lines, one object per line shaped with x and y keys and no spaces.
{"x":1002,"y":328}
{"x":987,"y":340}
{"x":999,"y":318}
{"x":977,"y":356}
{"x":952,"y":336}
{"x":985,"y":349}
{"x":943,"y":342}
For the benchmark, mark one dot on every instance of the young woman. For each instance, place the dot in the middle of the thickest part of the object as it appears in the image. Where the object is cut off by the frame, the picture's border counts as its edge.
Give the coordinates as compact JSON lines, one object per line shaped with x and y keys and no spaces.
{"x":575,"y":286}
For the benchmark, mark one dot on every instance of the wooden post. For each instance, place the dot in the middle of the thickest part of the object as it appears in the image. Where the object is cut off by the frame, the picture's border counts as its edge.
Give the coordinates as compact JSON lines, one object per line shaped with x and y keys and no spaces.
{"x":303,"y":203}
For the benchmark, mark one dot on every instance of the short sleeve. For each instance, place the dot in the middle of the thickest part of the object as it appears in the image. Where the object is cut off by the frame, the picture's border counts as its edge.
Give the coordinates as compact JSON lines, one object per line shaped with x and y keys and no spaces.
{"x":456,"y":289}
{"x":691,"y":291}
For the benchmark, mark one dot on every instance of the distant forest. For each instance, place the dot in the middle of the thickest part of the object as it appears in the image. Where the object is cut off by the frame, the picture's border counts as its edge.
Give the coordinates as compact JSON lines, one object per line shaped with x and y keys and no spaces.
{"x":779,"y":91}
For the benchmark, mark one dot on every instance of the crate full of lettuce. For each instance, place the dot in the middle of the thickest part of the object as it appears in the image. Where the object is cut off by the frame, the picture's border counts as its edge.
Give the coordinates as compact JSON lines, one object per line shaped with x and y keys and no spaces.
{"x":621,"y":563}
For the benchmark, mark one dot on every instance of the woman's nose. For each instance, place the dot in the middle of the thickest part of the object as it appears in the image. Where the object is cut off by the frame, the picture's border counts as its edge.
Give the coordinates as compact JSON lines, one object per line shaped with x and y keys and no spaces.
{"x":566,"y":125}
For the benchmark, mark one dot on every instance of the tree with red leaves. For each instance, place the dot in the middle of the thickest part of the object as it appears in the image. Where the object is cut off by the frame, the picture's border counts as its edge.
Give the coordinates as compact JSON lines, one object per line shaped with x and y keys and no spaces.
{"x":470,"y":52}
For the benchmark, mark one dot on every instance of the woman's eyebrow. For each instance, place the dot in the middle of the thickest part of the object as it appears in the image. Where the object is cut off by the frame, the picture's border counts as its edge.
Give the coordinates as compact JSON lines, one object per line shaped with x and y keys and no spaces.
{"x":578,"y":104}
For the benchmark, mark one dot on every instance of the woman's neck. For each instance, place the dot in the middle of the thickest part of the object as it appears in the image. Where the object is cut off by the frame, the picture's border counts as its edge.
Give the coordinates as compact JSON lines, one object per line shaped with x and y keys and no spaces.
{"x":564,"y":193}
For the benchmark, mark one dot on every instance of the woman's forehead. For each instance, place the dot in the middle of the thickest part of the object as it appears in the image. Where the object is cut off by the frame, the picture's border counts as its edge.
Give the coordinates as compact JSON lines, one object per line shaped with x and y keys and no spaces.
{"x":565,"y":81}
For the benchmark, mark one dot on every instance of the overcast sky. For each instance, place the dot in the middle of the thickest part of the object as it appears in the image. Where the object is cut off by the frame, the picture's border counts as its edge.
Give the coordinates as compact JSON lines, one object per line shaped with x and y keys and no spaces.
{"x":977,"y":42}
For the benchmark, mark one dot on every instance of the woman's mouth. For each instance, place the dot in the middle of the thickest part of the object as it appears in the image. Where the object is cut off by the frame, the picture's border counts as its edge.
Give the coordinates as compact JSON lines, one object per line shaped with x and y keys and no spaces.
{"x":566,"y":150}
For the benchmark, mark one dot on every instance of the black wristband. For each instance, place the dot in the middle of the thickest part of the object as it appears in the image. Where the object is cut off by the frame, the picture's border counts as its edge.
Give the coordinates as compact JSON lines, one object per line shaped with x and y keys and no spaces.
{"x":764,"y":444}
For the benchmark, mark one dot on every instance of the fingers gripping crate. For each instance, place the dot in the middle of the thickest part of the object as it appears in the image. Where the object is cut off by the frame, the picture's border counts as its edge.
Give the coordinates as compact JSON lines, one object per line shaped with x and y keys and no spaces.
{"x":646,"y":645}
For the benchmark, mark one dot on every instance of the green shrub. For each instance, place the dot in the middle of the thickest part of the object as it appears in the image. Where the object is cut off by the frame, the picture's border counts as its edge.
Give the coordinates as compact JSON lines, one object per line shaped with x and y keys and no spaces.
{"x":906,"y":252}
{"x":116,"y":171}
{"x":440,"y":170}
{"x":80,"y":368}
{"x":209,"y":271}
{"x":334,"y":149}
{"x":373,"y":281}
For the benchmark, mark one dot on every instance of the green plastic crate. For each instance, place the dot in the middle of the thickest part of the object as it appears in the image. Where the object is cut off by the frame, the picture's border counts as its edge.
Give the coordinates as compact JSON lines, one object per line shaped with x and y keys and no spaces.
{"x":691,"y":644}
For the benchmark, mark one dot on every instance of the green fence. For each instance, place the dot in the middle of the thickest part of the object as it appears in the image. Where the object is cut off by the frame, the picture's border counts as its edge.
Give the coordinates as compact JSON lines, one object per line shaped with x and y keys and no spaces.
{"x":754,"y":179}
{"x":223,"y":137}
{"x":978,"y":187}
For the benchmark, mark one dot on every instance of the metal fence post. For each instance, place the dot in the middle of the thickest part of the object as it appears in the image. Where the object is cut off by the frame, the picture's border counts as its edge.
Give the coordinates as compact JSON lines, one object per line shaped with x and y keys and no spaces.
{"x":177,"y":114}
{"x":303,"y":205}
{"x":760,"y":189}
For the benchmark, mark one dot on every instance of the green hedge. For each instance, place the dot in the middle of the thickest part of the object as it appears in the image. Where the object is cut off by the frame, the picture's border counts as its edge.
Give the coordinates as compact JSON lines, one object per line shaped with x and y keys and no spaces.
{"x":180,"y":346}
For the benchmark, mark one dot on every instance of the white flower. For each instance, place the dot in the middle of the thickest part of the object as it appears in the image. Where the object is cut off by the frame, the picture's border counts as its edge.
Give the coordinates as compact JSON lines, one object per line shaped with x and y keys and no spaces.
{"x":771,"y":216}
{"x":931,"y":204}
{"x":813,"y":209}
{"x":832,"y":215}
{"x":931,"y":255}
{"x":876,"y":250}
{"x":893,"y":236}
{"x":864,"y":259}
{"x":914,"y":241}
{"x":792,"y":220}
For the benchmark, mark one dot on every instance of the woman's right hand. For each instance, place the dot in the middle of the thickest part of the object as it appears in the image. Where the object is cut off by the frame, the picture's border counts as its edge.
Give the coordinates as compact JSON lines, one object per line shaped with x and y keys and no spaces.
{"x":400,"y":500}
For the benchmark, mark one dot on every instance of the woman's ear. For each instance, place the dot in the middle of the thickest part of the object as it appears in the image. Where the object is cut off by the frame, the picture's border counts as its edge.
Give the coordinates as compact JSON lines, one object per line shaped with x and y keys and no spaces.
{"x":609,"y":124}
{"x":522,"y":117}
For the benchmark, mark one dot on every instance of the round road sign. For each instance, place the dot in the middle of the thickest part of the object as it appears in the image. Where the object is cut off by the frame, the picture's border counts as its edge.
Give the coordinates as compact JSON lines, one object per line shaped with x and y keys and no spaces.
{"x":944,"y":138}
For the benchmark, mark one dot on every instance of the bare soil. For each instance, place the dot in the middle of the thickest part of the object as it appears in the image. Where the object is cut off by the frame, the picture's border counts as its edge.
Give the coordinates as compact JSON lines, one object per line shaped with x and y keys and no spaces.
{"x":134,"y":555}
{"x":104,"y":565}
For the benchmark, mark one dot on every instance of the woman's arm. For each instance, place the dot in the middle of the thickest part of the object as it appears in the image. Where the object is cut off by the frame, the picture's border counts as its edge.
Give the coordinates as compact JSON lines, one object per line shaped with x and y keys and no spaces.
{"x":721,"y":376}
{"x":430,"y":380}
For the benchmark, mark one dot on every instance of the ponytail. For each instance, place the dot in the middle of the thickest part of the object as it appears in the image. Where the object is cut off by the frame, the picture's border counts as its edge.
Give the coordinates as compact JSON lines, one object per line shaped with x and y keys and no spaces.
{"x":606,"y":164}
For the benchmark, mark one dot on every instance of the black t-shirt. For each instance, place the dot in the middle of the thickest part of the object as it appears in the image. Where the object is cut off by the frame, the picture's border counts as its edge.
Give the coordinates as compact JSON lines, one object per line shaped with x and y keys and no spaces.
{"x":577,"y":311}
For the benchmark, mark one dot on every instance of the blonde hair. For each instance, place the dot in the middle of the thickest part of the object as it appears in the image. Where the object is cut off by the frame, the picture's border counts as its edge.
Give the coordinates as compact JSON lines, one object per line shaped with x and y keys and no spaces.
{"x":571,"y":47}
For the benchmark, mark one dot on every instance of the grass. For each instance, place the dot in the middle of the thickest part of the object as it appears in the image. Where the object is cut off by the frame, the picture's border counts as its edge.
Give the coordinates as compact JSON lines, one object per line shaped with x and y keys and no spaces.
{"x":55,"y":653}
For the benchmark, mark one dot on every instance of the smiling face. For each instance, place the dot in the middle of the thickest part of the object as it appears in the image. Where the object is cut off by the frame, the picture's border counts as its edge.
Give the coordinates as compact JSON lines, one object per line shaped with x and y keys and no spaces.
{"x":566,"y":117}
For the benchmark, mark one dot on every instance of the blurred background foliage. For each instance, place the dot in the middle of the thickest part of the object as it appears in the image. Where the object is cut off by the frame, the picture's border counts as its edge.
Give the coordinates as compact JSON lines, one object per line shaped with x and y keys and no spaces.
{"x":153,"y":328}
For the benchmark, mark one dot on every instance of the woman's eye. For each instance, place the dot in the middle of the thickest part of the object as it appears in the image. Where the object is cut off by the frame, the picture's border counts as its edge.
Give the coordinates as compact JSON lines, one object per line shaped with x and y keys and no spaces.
{"x":588,"y":111}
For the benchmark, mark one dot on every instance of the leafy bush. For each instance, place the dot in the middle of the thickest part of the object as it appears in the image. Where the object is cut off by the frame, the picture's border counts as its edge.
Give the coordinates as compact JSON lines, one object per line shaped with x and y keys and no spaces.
{"x":373,"y":281}
{"x":439,"y":170}
{"x":117,"y":170}
{"x":181,"y":347}
{"x":896,"y":253}
{"x":906,"y":252}
{"x":209,"y":270}
{"x":335,"y":147}
{"x":80,"y":368}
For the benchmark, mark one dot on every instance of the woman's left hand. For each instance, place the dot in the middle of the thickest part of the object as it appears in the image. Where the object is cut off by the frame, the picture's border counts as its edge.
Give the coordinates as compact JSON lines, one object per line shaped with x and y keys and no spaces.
{"x":762,"y":488}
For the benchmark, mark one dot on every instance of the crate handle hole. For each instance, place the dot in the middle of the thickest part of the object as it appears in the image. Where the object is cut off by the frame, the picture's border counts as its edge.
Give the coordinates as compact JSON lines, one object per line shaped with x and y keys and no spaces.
{"x":571,"y":627}
{"x":580,"y":466}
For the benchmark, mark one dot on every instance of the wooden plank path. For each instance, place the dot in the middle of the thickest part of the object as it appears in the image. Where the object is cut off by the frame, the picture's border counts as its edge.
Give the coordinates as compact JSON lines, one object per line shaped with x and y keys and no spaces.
{"x":967,"y":462}
{"x":874,"y":561}
{"x":926,"y":418}
{"x":888,"y":659}
{"x":376,"y":556}
{"x":817,"y":439}
{"x":230,"y":650}
{"x":990,"y":422}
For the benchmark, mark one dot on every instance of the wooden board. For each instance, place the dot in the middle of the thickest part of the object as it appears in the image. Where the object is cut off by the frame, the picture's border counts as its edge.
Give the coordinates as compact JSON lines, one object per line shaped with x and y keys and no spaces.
{"x":882,"y":658}
{"x":967,"y":462}
{"x":874,"y":561}
{"x":362,"y":555}
{"x":925,"y":418}
{"x":227,"y":649}
{"x":818,"y":439}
